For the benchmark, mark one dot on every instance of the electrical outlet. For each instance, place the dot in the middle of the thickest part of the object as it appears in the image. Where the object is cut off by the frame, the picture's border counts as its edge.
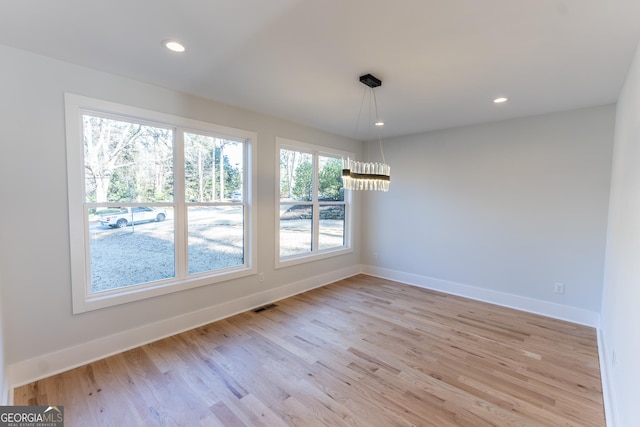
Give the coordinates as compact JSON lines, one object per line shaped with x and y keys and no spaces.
{"x":558,"y":288}
{"x":261,"y":277}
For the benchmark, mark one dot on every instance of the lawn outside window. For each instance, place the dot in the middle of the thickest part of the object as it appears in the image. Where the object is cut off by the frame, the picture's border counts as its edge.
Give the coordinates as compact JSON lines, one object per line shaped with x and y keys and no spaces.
{"x":157,"y":203}
{"x":314,"y":212}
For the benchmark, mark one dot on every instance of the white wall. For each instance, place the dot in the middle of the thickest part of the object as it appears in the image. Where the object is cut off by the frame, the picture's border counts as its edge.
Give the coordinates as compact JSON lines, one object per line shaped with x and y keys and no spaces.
{"x":4,"y":380}
{"x":510,"y":207}
{"x":621,"y":296}
{"x":34,"y":249}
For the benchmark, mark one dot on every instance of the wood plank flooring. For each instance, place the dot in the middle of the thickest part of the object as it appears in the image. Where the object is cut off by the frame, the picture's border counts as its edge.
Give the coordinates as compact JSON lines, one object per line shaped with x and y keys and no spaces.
{"x":360,"y":352}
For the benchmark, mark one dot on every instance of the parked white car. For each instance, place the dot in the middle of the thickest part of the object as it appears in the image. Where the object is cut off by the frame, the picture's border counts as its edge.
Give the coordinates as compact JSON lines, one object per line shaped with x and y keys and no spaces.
{"x":131,"y":215}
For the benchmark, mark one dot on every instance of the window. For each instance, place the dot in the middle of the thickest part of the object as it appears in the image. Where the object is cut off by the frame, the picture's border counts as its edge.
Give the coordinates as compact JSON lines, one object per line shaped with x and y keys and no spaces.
{"x":313,"y":212}
{"x":157,"y":203}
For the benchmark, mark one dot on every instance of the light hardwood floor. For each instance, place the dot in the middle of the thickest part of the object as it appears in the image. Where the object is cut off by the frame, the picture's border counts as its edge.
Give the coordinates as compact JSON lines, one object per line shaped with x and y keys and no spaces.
{"x":362,"y":352}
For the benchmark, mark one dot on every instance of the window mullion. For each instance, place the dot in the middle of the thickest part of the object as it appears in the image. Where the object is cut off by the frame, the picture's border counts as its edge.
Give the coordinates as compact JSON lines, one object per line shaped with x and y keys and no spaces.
{"x":316,"y":205}
{"x":180,"y":210}
{"x":246,"y":192}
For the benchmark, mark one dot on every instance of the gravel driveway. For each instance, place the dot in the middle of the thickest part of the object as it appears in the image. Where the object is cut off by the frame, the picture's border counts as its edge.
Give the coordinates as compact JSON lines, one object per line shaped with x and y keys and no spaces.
{"x":144,"y":253}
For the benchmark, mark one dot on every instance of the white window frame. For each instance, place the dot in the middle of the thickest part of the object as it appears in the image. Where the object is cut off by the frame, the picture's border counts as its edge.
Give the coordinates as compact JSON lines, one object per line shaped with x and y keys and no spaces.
{"x":315,"y":254}
{"x":83,"y":299}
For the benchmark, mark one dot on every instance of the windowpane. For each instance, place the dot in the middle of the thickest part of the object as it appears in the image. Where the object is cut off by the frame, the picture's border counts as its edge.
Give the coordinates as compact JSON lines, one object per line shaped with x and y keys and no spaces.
{"x":331,"y":226}
{"x":330,"y":179}
{"x":127,"y":162}
{"x":312,"y":203}
{"x":216,"y":238}
{"x":296,"y":176}
{"x":296,"y":229}
{"x":213,"y":168}
{"x":130,"y":246}
{"x":131,"y":237}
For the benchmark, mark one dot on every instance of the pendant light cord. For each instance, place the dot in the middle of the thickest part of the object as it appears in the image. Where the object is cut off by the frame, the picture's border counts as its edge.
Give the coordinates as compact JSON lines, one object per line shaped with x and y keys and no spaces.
{"x":364,"y":93}
{"x":375,"y":103}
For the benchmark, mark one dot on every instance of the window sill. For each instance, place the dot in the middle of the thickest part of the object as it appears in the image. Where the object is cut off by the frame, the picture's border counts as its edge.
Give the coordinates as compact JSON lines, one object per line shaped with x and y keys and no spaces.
{"x":136,"y":293}
{"x":305,"y":258}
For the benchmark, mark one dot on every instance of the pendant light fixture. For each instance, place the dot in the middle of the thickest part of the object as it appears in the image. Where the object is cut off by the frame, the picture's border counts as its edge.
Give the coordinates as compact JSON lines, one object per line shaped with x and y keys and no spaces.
{"x":371,"y":175}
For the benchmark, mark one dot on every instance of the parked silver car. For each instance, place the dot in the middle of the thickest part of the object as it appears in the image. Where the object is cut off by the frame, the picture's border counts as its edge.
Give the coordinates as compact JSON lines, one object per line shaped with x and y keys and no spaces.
{"x":131,"y":215}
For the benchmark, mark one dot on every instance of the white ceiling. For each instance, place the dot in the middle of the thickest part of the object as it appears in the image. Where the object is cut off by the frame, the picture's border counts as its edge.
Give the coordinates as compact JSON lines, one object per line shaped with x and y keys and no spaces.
{"x":441,"y":61}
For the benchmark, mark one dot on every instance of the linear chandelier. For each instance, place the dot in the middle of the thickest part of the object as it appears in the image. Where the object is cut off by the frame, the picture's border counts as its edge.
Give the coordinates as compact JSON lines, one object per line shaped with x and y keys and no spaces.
{"x":367,"y":175}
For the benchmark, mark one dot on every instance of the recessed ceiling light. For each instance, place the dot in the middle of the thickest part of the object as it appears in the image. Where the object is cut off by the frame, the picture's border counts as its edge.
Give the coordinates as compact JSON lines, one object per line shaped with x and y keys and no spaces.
{"x":379,"y":123}
{"x":174,"y":46}
{"x":500,"y":100}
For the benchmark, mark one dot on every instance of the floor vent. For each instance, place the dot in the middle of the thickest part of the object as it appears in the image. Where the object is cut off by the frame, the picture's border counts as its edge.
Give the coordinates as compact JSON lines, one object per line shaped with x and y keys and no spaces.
{"x":264,"y":308}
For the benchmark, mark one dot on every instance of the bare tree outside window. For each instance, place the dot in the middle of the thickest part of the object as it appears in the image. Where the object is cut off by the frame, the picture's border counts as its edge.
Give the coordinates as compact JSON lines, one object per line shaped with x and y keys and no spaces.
{"x":130,"y":166}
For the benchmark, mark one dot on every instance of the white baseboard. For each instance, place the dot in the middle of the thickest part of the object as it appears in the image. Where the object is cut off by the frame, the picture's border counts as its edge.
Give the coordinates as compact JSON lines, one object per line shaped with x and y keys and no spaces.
{"x":531,"y":305}
{"x":608,"y":396}
{"x":43,"y":366}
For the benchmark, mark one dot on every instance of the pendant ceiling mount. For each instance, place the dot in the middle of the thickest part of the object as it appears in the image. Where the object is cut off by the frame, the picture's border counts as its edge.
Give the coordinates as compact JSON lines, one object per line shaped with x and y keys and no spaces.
{"x":370,"y":80}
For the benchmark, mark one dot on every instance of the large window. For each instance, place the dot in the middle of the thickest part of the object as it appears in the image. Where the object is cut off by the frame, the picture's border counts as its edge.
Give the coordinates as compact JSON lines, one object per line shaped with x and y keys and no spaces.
{"x":157,"y":203}
{"x":313,"y":210}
